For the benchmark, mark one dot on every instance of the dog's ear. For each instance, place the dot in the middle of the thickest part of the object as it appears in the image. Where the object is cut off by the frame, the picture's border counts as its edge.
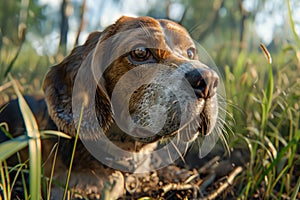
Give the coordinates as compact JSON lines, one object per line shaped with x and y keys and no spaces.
{"x":59,"y":82}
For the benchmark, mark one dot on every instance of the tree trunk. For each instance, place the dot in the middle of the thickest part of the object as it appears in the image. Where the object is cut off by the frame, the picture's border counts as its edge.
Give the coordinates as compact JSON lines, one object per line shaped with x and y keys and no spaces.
{"x":213,"y":20}
{"x":242,"y":25}
{"x":64,"y":27}
{"x":82,"y":22}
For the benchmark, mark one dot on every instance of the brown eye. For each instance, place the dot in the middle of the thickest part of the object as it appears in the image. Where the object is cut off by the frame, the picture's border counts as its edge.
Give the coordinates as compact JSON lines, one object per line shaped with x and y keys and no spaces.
{"x":140,"y":54}
{"x":191,"y":53}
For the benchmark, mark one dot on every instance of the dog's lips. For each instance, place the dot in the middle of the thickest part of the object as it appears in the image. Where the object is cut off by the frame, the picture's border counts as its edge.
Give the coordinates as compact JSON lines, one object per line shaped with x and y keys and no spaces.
{"x":208,"y":116}
{"x":197,"y":117}
{"x":204,"y":124}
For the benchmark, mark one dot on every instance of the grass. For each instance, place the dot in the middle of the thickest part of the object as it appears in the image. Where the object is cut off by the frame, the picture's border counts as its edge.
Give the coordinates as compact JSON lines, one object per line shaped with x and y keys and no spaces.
{"x":33,"y":140}
{"x":269,"y":97}
{"x":265,"y":98}
{"x":274,"y":137}
{"x":34,"y":145}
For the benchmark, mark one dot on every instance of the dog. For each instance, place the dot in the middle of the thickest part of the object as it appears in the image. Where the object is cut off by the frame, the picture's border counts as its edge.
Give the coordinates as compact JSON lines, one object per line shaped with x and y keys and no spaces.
{"x":125,"y":91}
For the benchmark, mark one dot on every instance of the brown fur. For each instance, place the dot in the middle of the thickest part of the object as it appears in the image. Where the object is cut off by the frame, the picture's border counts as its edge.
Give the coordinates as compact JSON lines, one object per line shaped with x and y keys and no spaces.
{"x":171,"y":42}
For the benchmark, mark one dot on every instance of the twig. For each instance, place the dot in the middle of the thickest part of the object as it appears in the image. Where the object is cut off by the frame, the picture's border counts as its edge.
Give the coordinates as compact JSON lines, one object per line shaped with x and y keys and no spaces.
{"x":5,"y":86}
{"x":192,"y":177}
{"x":229,"y":182}
{"x":175,"y":186}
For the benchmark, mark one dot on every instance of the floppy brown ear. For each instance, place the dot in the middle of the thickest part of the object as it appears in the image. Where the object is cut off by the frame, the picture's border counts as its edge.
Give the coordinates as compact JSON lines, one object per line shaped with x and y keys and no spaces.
{"x":59,"y":81}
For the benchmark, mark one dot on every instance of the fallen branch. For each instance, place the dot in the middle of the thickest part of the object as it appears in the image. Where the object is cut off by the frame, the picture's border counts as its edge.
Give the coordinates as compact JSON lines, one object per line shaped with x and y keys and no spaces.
{"x":175,"y":186}
{"x":229,"y":182}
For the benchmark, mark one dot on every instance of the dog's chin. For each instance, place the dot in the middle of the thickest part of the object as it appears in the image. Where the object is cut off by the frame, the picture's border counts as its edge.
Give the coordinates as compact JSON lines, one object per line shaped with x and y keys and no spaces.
{"x":198,"y":119}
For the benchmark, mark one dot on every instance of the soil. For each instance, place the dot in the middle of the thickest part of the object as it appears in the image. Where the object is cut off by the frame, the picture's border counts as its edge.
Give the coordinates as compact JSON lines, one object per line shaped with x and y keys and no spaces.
{"x":212,"y":177}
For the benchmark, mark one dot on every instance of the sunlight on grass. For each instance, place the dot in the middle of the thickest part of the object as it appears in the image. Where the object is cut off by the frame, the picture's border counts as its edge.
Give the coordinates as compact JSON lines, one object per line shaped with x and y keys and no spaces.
{"x":33,"y":140}
{"x":73,"y":152}
{"x":34,"y":145}
{"x":12,"y":146}
{"x":273,"y":138}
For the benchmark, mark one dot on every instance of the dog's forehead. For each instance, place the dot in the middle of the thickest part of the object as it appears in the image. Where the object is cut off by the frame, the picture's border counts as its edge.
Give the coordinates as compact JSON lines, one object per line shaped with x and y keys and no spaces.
{"x":172,"y":26}
{"x":131,"y":22}
{"x":160,"y":32}
{"x":175,"y":34}
{"x":126,"y":23}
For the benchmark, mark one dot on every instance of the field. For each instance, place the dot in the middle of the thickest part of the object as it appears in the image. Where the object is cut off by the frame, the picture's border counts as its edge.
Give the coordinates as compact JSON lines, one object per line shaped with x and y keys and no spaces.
{"x":263,"y":100}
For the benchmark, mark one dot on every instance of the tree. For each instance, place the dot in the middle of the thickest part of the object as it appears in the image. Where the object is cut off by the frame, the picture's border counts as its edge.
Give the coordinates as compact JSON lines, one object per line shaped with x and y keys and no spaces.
{"x":64,"y":25}
{"x":14,"y":13}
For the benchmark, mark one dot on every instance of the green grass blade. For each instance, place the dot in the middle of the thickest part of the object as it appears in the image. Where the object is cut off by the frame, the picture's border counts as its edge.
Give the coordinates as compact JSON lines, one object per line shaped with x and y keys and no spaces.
{"x":268,"y":94}
{"x":269,"y":89}
{"x":292,"y":23}
{"x":294,"y":141}
{"x":3,"y":181}
{"x":34,"y":144}
{"x":296,"y":190}
{"x":52,"y":172}
{"x":19,"y":170}
{"x":18,"y":156}
{"x":10,"y":66}
{"x":12,"y":146}
{"x":73,"y":153}
{"x":55,"y":133}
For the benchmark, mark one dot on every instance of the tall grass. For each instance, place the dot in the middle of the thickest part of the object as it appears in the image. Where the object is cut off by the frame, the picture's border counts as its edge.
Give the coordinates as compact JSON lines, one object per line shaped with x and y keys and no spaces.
{"x":267,"y":121}
{"x":33,"y":140}
{"x":34,"y":145}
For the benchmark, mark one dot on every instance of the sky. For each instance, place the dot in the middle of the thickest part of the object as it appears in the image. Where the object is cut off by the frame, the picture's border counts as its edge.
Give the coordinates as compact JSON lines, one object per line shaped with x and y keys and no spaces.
{"x":273,"y":15}
{"x":104,"y":13}
{"x":99,"y":12}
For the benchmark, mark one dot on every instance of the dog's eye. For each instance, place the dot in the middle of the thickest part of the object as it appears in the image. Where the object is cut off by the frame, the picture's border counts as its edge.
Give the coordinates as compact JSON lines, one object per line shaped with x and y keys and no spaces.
{"x":191,"y":53}
{"x":140,"y":54}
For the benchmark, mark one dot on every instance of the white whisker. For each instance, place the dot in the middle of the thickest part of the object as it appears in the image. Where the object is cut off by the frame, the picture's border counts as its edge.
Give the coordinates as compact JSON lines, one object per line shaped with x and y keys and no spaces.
{"x":178,"y":151}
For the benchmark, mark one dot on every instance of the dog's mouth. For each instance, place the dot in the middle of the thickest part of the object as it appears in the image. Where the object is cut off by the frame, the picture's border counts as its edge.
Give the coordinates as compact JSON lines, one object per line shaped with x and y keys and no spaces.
{"x":201,"y":123}
{"x":169,"y":118}
{"x":186,"y":132}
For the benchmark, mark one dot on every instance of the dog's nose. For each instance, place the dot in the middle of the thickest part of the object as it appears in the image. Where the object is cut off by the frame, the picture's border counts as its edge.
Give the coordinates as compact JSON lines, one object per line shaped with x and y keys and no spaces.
{"x":204,"y":81}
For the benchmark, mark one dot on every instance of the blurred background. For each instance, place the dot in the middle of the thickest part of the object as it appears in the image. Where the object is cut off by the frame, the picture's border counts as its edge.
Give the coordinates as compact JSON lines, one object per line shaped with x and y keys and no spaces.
{"x":47,"y":30}
{"x":262,"y":98}
{"x":217,"y":24}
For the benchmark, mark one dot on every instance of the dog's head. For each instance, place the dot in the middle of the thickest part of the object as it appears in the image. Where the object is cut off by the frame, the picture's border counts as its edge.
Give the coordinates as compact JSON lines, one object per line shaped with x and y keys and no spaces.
{"x":144,"y":78}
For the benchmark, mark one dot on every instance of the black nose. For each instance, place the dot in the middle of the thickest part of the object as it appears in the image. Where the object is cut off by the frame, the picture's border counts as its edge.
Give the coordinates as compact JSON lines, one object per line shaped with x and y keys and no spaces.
{"x":204,"y":81}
